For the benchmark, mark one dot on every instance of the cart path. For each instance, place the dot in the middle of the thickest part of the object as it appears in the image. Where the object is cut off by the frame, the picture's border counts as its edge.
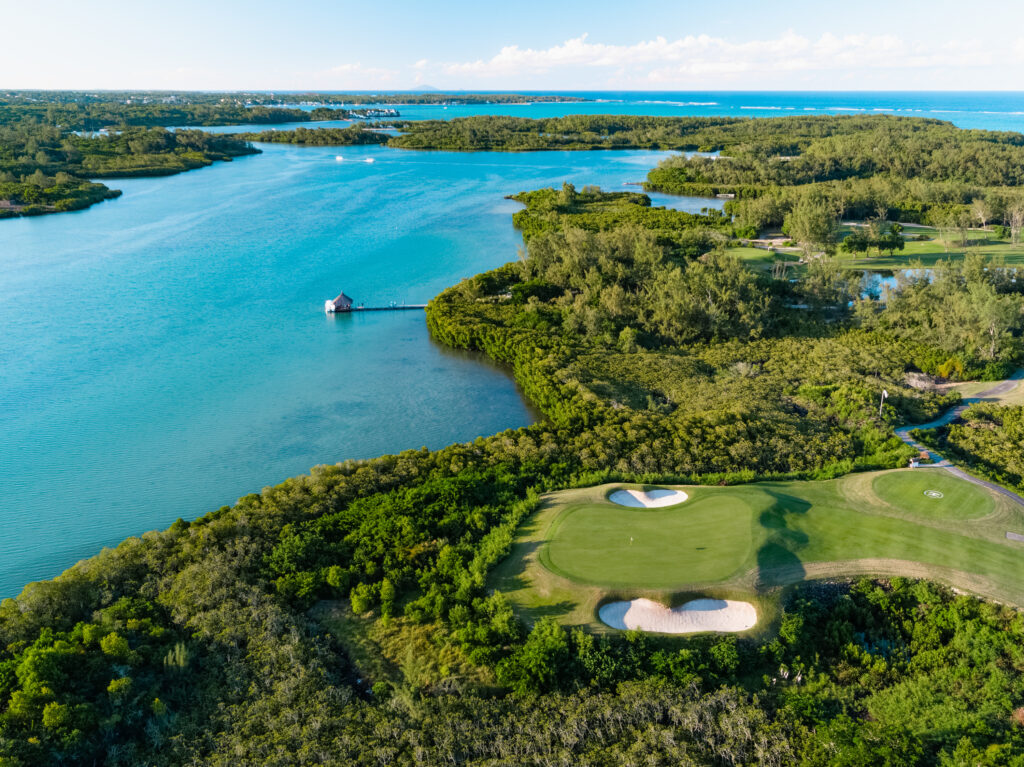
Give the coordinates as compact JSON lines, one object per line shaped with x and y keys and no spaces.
{"x":938,"y":462}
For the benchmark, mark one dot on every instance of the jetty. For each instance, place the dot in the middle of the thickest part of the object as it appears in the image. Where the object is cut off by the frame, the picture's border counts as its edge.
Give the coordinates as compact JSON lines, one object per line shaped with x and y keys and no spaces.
{"x":343,"y":305}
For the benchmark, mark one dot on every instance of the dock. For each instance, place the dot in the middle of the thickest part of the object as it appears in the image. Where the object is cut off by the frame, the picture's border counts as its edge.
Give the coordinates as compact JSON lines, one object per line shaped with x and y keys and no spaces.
{"x":343,"y":305}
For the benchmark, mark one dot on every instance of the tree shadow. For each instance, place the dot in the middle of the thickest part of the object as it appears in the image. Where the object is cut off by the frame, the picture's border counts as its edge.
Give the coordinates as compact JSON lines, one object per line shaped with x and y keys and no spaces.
{"x":531,"y":615}
{"x":778,"y":558}
{"x":510,"y":574}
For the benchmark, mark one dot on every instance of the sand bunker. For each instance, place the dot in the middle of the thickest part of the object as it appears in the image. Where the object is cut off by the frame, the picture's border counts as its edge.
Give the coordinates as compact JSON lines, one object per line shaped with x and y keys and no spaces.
{"x":647,"y":499}
{"x":696,"y":615}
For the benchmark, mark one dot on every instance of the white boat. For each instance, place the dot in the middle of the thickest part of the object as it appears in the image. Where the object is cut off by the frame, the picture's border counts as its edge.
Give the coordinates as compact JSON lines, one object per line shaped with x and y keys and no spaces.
{"x":338,"y":157}
{"x":368,"y":159}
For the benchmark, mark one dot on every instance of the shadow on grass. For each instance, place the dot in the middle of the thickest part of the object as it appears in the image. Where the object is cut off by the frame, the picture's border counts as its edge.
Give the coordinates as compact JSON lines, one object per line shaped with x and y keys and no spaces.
{"x":778,"y":559}
{"x":511,"y":575}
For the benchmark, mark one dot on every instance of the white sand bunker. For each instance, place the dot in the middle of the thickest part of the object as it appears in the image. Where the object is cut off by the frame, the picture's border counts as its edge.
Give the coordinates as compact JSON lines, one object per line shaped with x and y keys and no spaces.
{"x":696,"y":615}
{"x":648,"y":499}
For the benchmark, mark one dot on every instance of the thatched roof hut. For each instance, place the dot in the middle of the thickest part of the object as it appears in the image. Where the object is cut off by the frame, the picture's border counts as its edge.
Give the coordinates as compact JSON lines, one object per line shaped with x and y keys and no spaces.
{"x":340,"y":304}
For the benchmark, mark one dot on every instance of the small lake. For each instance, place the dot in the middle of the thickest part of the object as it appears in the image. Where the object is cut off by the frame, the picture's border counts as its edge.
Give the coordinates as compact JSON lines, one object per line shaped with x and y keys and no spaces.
{"x":167,"y":352}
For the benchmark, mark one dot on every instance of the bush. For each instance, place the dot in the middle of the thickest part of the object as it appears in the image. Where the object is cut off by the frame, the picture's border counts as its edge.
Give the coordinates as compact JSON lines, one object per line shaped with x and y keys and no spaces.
{"x":996,"y":371}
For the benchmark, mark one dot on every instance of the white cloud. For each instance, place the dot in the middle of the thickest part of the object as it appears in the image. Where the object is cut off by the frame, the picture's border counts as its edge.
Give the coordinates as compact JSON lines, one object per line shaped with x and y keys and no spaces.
{"x":689,"y":60}
{"x":356,"y":76}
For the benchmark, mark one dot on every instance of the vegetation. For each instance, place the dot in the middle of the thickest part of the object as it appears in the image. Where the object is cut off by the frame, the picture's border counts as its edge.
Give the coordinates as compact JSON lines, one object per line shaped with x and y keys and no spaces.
{"x":989,"y":440}
{"x":350,"y":616}
{"x":45,"y":169}
{"x":78,"y":110}
{"x":354,"y":134}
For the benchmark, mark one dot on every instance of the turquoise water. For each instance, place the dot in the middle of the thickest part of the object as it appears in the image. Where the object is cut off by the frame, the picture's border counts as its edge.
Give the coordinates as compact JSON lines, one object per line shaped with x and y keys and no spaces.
{"x":166,"y":352}
{"x":992,"y":110}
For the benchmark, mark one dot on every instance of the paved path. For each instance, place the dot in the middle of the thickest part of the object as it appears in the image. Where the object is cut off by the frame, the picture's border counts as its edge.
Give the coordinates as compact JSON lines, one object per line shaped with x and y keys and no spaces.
{"x":938,"y":462}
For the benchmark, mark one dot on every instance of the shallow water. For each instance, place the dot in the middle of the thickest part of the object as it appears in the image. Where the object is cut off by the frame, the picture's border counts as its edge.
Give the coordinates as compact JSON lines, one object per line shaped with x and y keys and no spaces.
{"x":166,"y":352}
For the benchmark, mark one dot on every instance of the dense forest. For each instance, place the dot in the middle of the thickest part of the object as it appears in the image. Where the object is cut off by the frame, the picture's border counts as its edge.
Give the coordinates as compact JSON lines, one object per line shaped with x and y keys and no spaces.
{"x":112,"y":115}
{"x":352,"y":135}
{"x":345,"y":617}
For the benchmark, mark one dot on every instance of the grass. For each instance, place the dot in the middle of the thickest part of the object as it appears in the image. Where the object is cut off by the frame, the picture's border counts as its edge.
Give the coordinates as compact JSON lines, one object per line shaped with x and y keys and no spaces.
{"x":761,"y":259}
{"x":934,"y":494}
{"x":749,"y":541}
{"x":398,"y":650}
{"x":607,"y":544}
{"x":929,"y":251}
{"x":971,"y":389}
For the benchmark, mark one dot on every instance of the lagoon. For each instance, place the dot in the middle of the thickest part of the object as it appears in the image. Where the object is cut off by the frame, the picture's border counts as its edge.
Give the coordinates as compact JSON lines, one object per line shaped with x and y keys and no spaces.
{"x":164,"y":353}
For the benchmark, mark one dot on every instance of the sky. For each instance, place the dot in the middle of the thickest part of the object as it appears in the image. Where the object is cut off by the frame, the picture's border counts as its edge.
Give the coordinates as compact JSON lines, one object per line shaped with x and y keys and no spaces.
{"x":525,"y":45}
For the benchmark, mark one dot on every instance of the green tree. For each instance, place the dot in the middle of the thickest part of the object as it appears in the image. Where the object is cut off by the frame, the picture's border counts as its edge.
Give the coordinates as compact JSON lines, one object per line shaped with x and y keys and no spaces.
{"x":813,"y":223}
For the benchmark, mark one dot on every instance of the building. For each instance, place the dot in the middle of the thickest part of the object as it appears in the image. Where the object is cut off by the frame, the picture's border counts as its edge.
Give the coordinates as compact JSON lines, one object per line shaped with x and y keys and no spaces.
{"x":340,"y":304}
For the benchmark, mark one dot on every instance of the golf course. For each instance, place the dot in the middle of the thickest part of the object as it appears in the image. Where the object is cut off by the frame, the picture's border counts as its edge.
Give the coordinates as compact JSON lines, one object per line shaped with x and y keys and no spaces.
{"x":581,"y":550}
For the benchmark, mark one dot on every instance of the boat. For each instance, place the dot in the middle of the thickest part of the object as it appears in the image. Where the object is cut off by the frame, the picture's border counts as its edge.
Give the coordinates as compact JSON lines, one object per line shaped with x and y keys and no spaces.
{"x":368,"y":159}
{"x":338,"y":157}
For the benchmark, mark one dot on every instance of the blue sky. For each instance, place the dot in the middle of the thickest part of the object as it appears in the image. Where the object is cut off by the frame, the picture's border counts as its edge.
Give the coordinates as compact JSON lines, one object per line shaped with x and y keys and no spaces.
{"x":631,"y":44}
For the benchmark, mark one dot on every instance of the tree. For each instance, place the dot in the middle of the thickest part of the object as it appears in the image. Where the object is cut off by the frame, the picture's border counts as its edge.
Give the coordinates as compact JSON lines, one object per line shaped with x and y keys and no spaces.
{"x":540,"y":663}
{"x":981,"y":210}
{"x":891,"y":241}
{"x":1015,"y":220}
{"x":856,"y":242}
{"x":813,"y":223}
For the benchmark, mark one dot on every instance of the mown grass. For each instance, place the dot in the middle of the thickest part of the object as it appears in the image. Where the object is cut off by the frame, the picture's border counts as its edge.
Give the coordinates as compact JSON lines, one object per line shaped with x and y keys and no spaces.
{"x":928,"y":252}
{"x":915,"y":492}
{"x":747,"y":541}
{"x":971,"y":389}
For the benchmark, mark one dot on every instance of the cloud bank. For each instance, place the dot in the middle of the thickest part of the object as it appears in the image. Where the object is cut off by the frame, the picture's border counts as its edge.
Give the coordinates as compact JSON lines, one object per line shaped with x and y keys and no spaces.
{"x":703,"y":61}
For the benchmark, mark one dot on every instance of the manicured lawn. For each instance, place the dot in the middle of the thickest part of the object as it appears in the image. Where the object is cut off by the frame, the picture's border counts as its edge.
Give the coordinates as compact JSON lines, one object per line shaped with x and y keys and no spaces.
{"x":758,"y":258}
{"x":931,"y":493}
{"x":933,"y":250}
{"x":744,"y":541}
{"x":929,"y":252}
{"x":704,"y":539}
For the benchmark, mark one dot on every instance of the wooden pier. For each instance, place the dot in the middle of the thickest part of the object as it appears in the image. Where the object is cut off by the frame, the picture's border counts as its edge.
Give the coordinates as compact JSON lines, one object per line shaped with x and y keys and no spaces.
{"x":343,"y":305}
{"x":393,"y":308}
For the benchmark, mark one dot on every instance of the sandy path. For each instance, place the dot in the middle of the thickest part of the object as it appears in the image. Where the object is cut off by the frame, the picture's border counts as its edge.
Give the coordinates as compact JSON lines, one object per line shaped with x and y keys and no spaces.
{"x":649,"y":499}
{"x":694,"y":616}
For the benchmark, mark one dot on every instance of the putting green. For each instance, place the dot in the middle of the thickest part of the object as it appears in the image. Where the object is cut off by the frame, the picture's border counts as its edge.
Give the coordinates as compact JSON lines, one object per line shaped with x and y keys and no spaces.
{"x":708,"y":538}
{"x":933,"y":493}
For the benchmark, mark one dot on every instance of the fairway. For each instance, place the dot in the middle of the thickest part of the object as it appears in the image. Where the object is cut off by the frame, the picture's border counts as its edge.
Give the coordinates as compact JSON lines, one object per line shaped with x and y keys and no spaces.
{"x":933,"y":493}
{"x":740,"y":542}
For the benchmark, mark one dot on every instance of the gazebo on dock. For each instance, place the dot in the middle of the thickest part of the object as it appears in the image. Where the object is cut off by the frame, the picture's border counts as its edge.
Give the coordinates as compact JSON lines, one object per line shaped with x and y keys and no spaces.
{"x":340,"y":304}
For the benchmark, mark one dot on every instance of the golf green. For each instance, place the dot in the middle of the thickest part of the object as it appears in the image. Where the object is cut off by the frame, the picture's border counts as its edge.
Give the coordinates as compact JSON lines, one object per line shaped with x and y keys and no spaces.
{"x":933,"y":493}
{"x":708,"y":538}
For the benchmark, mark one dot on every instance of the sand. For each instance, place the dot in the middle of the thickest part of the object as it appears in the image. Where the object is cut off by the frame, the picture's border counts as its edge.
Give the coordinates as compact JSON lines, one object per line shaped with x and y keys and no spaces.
{"x":696,"y":615}
{"x":649,"y":499}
